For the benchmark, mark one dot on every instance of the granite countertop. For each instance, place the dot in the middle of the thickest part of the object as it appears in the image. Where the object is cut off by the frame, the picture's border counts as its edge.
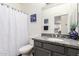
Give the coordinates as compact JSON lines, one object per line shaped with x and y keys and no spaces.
{"x":61,"y":41}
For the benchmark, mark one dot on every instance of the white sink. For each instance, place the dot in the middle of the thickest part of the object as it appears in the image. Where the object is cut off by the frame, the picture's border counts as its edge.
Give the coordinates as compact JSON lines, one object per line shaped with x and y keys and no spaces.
{"x":54,"y":39}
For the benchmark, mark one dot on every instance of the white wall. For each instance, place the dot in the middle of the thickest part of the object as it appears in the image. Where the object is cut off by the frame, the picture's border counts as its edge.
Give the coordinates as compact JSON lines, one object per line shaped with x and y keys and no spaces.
{"x":34,"y":28}
{"x":70,"y":9}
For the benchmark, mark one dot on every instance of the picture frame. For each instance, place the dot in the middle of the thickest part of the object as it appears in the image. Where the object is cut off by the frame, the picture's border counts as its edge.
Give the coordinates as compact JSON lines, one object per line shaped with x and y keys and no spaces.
{"x":45,"y":21}
{"x":45,"y":28}
{"x":33,"y":18}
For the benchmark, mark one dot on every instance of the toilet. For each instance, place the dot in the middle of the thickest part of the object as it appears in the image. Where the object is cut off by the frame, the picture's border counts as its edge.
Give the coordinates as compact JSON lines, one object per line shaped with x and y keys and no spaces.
{"x":26,"y":50}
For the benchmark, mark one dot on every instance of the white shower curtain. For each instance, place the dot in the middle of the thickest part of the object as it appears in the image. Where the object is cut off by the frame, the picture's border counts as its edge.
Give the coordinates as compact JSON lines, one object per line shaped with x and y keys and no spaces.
{"x":4,"y":31}
{"x":13,"y":30}
{"x":21,"y":29}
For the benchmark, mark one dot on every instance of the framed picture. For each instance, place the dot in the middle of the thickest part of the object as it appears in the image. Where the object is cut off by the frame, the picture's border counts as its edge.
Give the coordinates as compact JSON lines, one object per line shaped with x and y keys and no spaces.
{"x":45,"y":27}
{"x":33,"y":18}
{"x":45,"y":21}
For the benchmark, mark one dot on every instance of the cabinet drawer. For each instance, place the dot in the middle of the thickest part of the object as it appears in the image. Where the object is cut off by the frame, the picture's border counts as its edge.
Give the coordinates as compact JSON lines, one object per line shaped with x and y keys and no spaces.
{"x":55,"y":48}
{"x":71,"y":52}
{"x":42,"y":52}
{"x":57,"y":54}
{"x":37,"y":43}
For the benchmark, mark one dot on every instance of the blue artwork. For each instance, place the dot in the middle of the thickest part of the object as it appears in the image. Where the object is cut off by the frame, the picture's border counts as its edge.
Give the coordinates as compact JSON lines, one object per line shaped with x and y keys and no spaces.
{"x":33,"y":18}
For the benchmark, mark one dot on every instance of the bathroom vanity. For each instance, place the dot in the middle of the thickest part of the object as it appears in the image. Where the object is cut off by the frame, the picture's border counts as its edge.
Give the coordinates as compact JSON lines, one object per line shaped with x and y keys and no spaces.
{"x":44,"y":46}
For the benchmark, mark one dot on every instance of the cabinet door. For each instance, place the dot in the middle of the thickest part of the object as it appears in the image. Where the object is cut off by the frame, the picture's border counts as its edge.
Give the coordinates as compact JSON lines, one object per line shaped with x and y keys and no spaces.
{"x":55,"y":48}
{"x":72,"y":52}
{"x":41,"y":52}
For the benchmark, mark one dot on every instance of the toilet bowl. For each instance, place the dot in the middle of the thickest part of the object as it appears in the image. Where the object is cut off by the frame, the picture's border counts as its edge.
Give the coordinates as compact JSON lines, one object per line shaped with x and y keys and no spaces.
{"x":26,"y":50}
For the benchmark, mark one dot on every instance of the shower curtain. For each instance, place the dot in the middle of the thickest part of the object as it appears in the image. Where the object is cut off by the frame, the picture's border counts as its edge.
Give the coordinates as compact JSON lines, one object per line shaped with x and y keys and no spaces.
{"x":13,"y":30}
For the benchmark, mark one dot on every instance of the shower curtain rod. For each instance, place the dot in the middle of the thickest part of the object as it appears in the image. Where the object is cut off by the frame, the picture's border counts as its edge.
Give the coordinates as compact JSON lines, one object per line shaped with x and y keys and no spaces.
{"x":2,"y":4}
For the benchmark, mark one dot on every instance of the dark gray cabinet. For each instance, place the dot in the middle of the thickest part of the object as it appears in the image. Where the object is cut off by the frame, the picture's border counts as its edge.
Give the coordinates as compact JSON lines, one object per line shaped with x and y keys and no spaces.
{"x":41,"y":52}
{"x":71,"y":52}
{"x":42,"y":48}
{"x":54,"y":48}
{"x":77,"y":52}
{"x":56,"y":54}
{"x":37,"y":43}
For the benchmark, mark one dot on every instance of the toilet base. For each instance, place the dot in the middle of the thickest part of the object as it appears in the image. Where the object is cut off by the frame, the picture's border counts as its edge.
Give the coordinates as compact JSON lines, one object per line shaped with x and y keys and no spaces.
{"x":29,"y":54}
{"x":25,"y":54}
{"x":20,"y":55}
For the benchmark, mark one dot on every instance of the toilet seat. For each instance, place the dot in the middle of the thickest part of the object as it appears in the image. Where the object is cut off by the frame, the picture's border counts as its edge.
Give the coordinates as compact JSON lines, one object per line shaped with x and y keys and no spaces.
{"x":25,"y":49}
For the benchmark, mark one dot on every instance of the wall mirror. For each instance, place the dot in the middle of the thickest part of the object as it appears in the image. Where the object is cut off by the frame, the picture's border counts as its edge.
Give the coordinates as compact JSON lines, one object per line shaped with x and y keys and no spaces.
{"x":61,"y":24}
{"x":61,"y":16}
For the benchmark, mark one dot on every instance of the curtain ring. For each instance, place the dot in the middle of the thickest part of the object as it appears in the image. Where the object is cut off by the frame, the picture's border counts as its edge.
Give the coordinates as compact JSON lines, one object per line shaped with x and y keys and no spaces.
{"x":7,"y":6}
{"x":2,"y":4}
